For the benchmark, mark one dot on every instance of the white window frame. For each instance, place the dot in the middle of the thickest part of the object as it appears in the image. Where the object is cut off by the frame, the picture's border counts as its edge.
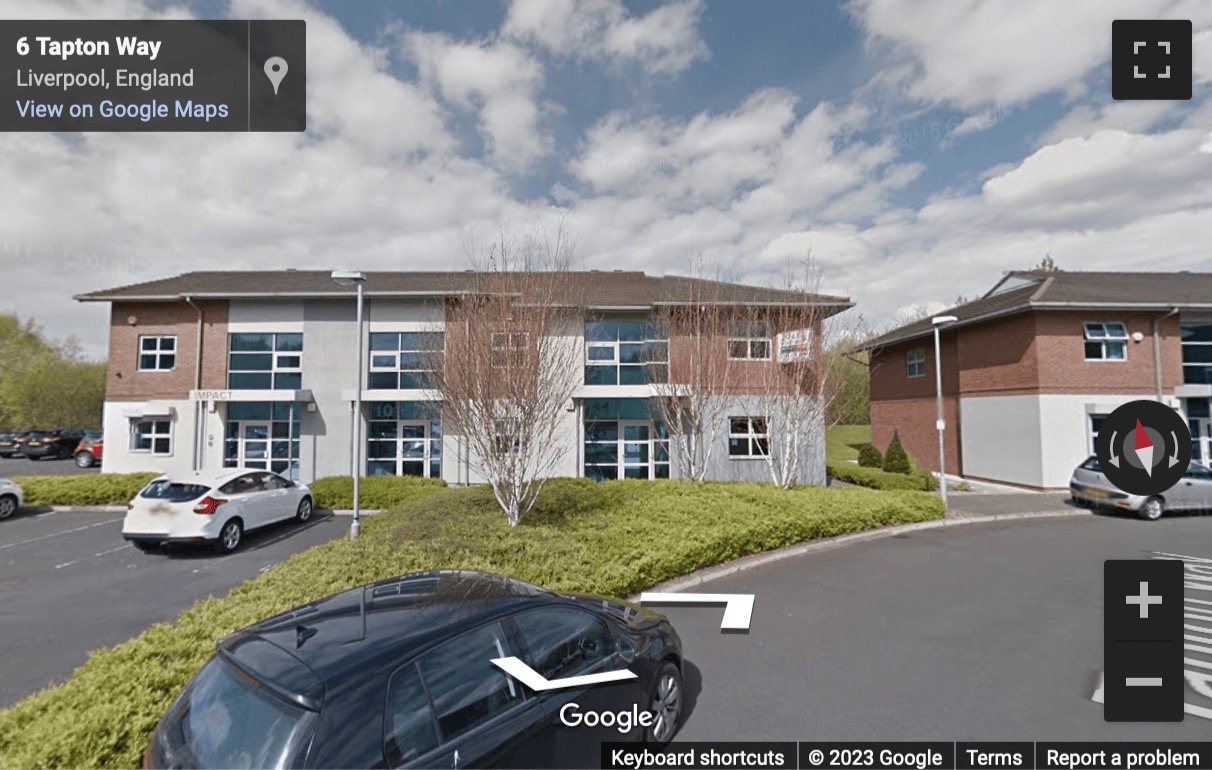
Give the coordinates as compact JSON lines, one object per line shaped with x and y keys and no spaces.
{"x":159,"y":352}
{"x":506,"y":350}
{"x":395,"y":366}
{"x":152,"y":435}
{"x":912,"y":361}
{"x":749,"y":340}
{"x":750,"y":436}
{"x":1103,"y":338}
{"x":275,"y":355}
{"x":1090,"y":418}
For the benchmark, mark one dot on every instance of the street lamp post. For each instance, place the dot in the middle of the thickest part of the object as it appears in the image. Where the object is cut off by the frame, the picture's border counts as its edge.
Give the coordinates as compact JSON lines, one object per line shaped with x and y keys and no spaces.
{"x":354,"y":278}
{"x":938,"y":322}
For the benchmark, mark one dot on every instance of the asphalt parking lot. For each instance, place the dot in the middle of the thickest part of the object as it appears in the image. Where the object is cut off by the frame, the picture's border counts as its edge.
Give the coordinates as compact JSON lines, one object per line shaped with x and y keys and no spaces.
{"x":69,"y":584}
{"x":22,"y":466}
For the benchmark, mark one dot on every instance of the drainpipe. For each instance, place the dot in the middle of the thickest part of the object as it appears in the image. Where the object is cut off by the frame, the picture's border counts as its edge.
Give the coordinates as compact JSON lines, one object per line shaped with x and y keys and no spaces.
{"x":199,"y":406}
{"x":1157,"y":372}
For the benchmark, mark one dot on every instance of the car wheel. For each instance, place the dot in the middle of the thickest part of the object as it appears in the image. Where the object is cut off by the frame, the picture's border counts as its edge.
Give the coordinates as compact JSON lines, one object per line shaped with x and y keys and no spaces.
{"x":305,"y":510}
{"x":84,"y":460}
{"x":145,"y":546}
{"x":230,"y":536}
{"x":8,"y":506}
{"x":665,"y":702}
{"x":1152,"y":509}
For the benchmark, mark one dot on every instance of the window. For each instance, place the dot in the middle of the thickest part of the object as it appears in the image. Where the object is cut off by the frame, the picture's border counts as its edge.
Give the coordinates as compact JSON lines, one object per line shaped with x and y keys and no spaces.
{"x":510,"y":349}
{"x":411,"y":731}
{"x":154,"y":436}
{"x":1106,"y":341}
{"x":562,"y":642}
{"x":748,"y":437}
{"x":915,"y":362}
{"x":263,"y":434}
{"x":1096,"y":425}
{"x":404,"y":360}
{"x":466,"y":689}
{"x":404,"y":439}
{"x":1197,"y":352}
{"x":265,"y":361}
{"x":626,"y":352}
{"x":749,"y":341}
{"x":242,"y":485}
{"x":508,"y":436}
{"x":624,"y":438}
{"x":157,"y":353}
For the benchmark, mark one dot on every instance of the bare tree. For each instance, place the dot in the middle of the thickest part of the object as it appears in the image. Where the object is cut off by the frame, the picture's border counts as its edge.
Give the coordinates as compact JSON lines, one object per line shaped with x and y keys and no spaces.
{"x":512,"y":363}
{"x":796,"y":390}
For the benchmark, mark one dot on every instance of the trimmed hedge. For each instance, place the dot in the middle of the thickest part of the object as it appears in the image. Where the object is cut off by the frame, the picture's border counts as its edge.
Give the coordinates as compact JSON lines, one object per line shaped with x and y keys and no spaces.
{"x":878,"y":479}
{"x":896,"y":459}
{"x":377,"y":492}
{"x":870,"y":457}
{"x":614,"y":538}
{"x":90,"y":489}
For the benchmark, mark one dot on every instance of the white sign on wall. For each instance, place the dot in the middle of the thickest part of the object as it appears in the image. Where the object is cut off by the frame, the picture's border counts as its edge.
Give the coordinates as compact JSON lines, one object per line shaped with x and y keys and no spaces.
{"x":794,"y":346}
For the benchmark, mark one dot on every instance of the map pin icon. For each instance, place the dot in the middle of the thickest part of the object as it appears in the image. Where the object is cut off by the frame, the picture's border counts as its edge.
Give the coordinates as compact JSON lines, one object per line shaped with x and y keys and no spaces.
{"x":275,"y":70}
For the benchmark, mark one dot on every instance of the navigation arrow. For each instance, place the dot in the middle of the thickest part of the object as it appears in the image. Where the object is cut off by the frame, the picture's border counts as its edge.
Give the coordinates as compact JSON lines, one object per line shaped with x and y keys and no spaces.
{"x":1114,"y":458}
{"x":537,"y":682}
{"x":1173,"y":459}
{"x":737,"y":614}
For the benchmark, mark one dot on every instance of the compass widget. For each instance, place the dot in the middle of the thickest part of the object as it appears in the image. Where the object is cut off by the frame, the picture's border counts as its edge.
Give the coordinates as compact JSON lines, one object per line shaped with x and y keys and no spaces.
{"x":1144,"y":447}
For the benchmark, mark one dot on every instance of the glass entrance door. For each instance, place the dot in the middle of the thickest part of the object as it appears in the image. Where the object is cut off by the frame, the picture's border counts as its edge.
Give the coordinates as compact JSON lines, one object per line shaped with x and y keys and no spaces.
{"x":635,"y":449}
{"x":403,"y":448}
{"x":247,"y":444}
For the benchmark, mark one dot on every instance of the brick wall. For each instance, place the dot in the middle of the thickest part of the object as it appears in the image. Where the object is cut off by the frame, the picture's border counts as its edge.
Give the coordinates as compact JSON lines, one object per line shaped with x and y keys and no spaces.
{"x":1062,"y":364}
{"x":914,"y":419}
{"x":125,"y":381}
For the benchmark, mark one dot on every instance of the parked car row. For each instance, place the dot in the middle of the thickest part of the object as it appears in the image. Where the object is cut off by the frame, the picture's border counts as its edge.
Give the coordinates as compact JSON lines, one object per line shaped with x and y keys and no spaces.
{"x":83,"y":446}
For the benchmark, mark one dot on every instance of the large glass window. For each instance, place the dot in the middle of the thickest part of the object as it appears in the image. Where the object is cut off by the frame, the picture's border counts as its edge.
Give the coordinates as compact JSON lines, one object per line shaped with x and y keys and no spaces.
{"x":263,"y":434}
{"x":625,"y":438}
{"x":748,"y":437}
{"x":404,"y":360}
{"x":562,"y":642}
{"x":466,"y":689}
{"x":1106,"y":341}
{"x":749,"y":340}
{"x":265,"y":361}
{"x":626,"y":352}
{"x":157,"y":353}
{"x":1197,"y":352}
{"x":404,"y":438}
{"x":154,"y":436}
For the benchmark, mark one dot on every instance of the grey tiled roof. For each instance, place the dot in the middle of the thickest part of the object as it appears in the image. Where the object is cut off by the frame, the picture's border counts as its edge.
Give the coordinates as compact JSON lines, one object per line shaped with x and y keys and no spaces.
{"x":599,"y":289}
{"x":1020,"y":291}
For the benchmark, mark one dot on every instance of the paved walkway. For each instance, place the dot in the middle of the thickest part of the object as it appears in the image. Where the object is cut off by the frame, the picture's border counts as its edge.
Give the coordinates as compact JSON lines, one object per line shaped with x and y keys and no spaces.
{"x":962,"y":504}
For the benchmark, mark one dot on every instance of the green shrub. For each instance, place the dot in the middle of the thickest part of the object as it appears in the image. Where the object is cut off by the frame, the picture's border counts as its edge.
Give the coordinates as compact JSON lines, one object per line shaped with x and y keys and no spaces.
{"x":90,"y":489}
{"x":870,"y":457}
{"x":875,"y":478}
{"x":896,"y":459}
{"x":377,"y":492}
{"x":615,"y":538}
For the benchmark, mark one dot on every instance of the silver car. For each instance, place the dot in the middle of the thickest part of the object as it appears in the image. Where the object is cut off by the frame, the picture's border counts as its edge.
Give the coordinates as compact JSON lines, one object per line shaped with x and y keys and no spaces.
{"x":1089,"y":488}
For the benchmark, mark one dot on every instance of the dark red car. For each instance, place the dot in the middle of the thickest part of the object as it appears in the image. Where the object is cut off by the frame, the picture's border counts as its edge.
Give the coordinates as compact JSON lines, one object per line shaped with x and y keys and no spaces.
{"x":88,"y":451}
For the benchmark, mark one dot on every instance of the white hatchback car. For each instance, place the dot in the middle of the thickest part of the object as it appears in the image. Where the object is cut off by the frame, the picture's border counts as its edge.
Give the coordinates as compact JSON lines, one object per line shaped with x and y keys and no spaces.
{"x":216,"y":509}
{"x":11,"y":497}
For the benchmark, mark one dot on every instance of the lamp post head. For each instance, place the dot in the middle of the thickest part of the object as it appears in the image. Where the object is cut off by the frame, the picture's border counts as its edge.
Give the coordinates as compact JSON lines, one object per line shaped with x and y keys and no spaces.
{"x":348,"y":277}
{"x":939,"y":320}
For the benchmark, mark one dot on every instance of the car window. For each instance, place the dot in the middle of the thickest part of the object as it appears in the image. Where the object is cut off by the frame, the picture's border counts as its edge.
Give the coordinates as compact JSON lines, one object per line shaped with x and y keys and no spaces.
{"x":173,"y":491}
{"x":410,"y":727}
{"x":562,"y":641}
{"x":465,"y":687}
{"x":1092,"y":465}
{"x":1195,"y":471}
{"x":249,"y":482}
{"x":273,"y":481}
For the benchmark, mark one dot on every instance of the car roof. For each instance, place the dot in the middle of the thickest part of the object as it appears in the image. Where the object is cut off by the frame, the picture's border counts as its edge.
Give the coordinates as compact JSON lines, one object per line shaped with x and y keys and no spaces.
{"x":215,"y":478}
{"x":393,"y":617}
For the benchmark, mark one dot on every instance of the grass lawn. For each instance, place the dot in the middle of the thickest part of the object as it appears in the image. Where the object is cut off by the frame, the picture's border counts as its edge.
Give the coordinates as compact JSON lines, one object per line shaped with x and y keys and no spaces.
{"x":615,"y":538}
{"x":841,"y":441}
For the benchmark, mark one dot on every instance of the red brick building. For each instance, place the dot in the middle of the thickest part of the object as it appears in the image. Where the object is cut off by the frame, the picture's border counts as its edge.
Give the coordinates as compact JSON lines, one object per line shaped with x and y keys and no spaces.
{"x":1030,"y":369}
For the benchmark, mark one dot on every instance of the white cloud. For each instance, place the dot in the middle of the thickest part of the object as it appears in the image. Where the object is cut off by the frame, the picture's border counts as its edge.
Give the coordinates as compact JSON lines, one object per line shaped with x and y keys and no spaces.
{"x":664,"y":41}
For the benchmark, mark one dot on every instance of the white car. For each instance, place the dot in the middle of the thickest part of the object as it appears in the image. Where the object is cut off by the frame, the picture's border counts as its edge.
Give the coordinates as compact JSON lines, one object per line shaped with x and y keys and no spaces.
{"x":216,"y":509}
{"x":11,"y":498}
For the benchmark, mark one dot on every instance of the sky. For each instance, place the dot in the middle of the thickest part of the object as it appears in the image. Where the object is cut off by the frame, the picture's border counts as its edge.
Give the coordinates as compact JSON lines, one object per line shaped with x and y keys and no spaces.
{"x":914,"y":151}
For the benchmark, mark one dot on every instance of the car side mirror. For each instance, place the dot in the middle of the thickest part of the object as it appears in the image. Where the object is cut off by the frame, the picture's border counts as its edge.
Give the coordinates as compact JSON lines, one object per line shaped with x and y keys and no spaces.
{"x":626,"y":649}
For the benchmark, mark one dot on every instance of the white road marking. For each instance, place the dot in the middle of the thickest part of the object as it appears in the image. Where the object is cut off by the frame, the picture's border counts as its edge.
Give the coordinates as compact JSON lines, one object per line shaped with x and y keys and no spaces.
{"x":112,"y":550}
{"x":59,"y":534}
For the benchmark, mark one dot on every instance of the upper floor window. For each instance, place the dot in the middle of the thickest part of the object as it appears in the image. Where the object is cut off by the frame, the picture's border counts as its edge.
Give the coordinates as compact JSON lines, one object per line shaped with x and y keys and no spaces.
{"x":1197,"y":352}
{"x":1106,"y":341}
{"x":915,"y":362}
{"x":265,"y":361}
{"x":626,"y":352}
{"x":510,"y":349}
{"x":749,"y":341}
{"x":404,"y":360}
{"x":157,"y":353}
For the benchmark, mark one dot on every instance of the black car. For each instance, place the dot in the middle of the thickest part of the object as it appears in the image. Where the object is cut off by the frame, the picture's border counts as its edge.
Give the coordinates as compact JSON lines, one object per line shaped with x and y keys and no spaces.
{"x":41,"y":445}
{"x":10,"y":443}
{"x":399,"y":673}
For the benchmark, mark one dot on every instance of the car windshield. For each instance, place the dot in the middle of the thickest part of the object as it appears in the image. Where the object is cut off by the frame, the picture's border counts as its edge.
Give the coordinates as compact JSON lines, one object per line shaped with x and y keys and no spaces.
{"x":173,"y":491}
{"x":92,"y":436}
{"x":225,"y":719}
{"x":1092,"y":465}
